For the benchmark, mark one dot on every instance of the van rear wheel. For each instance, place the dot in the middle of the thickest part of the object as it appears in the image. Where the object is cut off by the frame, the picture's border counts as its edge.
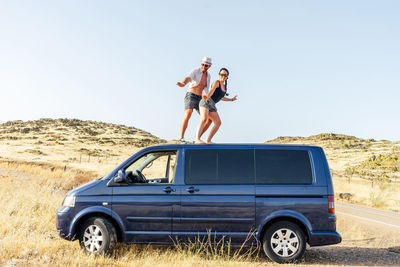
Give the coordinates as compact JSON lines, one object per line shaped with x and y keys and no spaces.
{"x":284,"y":242}
{"x":98,"y":236}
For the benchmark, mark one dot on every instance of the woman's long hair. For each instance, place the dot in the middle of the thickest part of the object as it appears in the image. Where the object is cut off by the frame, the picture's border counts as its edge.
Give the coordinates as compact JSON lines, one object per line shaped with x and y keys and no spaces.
{"x":226,"y":81}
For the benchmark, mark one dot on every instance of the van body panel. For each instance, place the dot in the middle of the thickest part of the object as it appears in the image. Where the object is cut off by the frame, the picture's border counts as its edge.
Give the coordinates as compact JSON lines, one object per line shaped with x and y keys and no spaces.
{"x":318,"y":163}
{"x":92,"y":189}
{"x":277,"y":214}
{"x":325,"y":167}
{"x":145,"y":209}
{"x":88,"y":188}
{"x":146,"y":213}
{"x":323,"y":238}
{"x":90,"y":198}
{"x":299,"y":191}
{"x":312,"y":211}
{"x":70,"y":231}
{"x":217,"y":209}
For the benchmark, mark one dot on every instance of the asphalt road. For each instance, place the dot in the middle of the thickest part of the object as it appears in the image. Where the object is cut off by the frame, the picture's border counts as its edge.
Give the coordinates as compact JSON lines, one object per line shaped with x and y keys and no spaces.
{"x":377,"y":216}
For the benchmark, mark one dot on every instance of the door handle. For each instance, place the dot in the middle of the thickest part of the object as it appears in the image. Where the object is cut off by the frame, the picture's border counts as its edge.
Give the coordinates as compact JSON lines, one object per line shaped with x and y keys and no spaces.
{"x":168,"y":190}
{"x":192,"y":189}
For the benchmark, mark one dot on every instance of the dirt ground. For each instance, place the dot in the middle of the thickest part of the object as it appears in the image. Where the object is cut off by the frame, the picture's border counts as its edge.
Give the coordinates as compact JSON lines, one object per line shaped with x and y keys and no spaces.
{"x":364,"y":243}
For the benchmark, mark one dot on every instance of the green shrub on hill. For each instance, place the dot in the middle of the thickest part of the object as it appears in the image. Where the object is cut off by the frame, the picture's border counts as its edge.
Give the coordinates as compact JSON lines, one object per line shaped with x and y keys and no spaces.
{"x":328,"y":140}
{"x":380,"y":167}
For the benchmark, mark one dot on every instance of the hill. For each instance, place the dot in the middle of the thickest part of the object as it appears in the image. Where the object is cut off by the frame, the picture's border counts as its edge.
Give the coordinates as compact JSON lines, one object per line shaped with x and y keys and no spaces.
{"x":349,"y":155}
{"x":70,"y":130}
{"x":71,"y":141}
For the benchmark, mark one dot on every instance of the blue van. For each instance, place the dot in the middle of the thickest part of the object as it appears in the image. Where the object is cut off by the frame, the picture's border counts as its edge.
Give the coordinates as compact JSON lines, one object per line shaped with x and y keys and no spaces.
{"x":281,"y":196}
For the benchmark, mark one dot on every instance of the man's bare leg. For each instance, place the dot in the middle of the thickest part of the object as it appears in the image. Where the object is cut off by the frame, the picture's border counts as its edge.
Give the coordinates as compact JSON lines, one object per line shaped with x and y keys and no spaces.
{"x":203,"y":121}
{"x":185,"y":121}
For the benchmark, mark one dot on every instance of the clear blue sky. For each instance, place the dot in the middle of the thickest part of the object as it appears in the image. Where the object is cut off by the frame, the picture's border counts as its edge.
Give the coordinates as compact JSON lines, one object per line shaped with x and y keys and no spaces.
{"x":300,"y":67}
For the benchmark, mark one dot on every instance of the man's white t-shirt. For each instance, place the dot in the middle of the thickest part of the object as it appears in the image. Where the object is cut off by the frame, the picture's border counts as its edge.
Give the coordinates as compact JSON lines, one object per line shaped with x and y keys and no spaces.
{"x":196,"y":75}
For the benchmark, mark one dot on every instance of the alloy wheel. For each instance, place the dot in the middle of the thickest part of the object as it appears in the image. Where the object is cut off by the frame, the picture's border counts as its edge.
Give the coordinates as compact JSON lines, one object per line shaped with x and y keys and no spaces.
{"x":284,"y":242}
{"x":93,"y":238}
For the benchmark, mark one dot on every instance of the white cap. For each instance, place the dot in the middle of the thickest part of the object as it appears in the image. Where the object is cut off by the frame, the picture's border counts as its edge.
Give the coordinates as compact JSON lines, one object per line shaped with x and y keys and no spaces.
{"x":206,"y":60}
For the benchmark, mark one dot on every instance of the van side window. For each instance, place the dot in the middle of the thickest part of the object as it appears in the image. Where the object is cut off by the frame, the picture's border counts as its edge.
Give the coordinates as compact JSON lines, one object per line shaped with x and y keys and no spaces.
{"x":236,"y":166}
{"x":283,"y":167}
{"x":155,"y":167}
{"x":201,"y":166}
{"x":219,"y":166}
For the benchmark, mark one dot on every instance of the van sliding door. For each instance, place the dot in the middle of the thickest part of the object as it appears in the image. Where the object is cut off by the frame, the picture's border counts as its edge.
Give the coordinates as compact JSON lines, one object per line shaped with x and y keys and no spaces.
{"x":218,"y":198}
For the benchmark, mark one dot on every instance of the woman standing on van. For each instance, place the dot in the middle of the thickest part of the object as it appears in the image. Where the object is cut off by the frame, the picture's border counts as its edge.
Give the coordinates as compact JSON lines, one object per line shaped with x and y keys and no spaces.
{"x":208,"y":111}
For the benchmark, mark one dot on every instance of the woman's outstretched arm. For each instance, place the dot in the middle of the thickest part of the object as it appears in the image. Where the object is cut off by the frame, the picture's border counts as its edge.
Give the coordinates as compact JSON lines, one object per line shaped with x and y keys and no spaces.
{"x":229,"y":99}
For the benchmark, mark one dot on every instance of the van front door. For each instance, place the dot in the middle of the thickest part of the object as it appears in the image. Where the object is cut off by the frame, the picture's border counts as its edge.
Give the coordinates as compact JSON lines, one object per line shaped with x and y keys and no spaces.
{"x":146,"y":202}
{"x":218,"y":198}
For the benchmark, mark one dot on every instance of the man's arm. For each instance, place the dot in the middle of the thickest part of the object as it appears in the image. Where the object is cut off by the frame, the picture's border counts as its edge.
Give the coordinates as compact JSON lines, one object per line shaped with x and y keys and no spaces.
{"x":184,"y":82}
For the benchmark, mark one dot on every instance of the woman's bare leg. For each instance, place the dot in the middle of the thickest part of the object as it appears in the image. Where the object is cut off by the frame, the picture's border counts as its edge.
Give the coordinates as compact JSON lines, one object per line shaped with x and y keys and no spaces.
{"x":206,"y":126}
{"x":203,"y":120}
{"x":217,"y":123}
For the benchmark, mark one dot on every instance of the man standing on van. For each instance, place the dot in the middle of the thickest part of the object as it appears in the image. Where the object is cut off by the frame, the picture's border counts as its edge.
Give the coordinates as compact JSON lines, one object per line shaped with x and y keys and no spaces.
{"x":199,"y":80}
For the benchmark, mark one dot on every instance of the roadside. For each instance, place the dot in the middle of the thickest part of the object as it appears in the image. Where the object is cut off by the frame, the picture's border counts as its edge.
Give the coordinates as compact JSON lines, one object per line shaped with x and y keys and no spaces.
{"x":383,"y":218}
{"x":370,"y":237}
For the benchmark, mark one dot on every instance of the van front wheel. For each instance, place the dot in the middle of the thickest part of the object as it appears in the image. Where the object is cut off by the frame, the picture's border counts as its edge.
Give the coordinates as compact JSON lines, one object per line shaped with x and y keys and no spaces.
{"x":284,"y":242}
{"x":98,"y":236}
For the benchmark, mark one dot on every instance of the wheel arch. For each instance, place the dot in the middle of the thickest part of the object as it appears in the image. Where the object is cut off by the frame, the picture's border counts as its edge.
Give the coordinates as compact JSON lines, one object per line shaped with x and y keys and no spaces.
{"x":103,"y":213}
{"x":303,"y":223}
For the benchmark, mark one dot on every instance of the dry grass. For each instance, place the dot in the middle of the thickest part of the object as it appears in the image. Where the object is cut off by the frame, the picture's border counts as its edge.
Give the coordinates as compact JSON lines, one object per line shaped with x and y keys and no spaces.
{"x":41,"y":160}
{"x":57,"y":176}
{"x":377,"y":194}
{"x":33,"y":193}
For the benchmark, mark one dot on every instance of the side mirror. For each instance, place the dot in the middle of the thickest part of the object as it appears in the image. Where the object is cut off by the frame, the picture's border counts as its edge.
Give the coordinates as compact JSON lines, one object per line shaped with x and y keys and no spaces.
{"x":120,"y":178}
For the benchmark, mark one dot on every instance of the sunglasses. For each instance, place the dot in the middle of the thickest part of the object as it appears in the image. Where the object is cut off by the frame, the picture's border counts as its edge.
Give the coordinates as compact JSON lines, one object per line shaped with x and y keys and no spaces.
{"x":223,"y":75}
{"x":206,"y":65}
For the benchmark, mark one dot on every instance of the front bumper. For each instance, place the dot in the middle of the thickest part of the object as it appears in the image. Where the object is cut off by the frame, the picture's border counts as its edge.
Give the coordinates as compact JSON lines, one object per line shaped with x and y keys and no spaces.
{"x":322,"y":238}
{"x":63,"y":223}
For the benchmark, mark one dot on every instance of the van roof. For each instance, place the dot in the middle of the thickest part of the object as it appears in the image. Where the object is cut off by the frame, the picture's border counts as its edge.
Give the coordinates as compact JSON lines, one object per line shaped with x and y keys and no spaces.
{"x":233,"y":145}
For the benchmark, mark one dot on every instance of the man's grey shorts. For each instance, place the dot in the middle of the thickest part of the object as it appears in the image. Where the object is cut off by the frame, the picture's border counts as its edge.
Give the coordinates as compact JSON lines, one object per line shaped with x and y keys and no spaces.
{"x":209,"y":104}
{"x":192,"y":101}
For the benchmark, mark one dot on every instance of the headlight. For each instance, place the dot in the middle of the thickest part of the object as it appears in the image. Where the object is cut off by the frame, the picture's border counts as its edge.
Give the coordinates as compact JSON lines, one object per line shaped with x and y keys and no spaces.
{"x":69,"y":201}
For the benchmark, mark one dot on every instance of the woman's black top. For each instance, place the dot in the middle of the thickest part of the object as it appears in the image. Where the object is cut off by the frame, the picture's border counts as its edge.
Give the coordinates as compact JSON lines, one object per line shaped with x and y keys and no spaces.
{"x":218,"y":94}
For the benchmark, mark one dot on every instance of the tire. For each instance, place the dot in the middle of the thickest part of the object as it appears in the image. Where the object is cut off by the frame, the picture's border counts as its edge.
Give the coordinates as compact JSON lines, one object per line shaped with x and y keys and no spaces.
{"x":97,"y":236}
{"x":284,"y":242}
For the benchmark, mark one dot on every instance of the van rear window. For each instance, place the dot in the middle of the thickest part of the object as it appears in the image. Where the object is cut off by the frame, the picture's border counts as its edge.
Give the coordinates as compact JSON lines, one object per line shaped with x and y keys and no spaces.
{"x":283,"y":167}
{"x":219,"y":166}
